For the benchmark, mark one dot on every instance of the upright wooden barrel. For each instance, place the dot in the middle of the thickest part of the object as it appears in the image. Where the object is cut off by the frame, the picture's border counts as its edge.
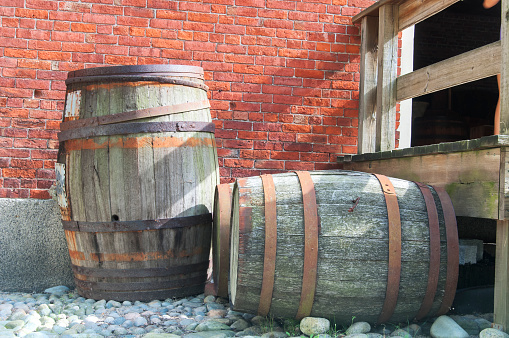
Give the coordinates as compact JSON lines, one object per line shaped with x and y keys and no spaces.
{"x":137,"y":171}
{"x":339,"y":244}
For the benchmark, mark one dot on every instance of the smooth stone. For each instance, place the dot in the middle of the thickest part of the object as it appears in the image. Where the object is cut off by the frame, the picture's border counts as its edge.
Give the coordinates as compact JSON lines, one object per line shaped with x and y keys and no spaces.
{"x":128,"y":324}
{"x":250,"y":331}
{"x":446,"y":327}
{"x":483,"y":323}
{"x":140,"y":321}
{"x":209,"y":299}
{"x":14,"y":324}
{"x":8,"y":333}
{"x":36,"y":335}
{"x":131,"y":315}
{"x":216,"y":313}
{"x":211,"y":325}
{"x":374,"y":335}
{"x":276,"y":334}
{"x":401,"y":333}
{"x":492,"y":333}
{"x":160,"y":335}
{"x":210,"y":334}
{"x":214,"y":306}
{"x":240,"y":325}
{"x":359,"y":327}
{"x":357,"y":335}
{"x":57,"y":290}
{"x":468,"y":324}
{"x":312,"y":326}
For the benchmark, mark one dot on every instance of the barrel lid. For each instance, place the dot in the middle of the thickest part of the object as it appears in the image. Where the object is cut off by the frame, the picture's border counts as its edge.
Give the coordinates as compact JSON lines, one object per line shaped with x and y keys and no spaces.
{"x":91,"y":74}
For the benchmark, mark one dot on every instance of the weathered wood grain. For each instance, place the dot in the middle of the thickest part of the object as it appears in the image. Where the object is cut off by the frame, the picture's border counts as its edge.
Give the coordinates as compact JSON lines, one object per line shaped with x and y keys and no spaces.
{"x":368,"y":85}
{"x":467,"y":67}
{"x":145,"y":176}
{"x":471,"y":178}
{"x":353,"y":247}
{"x":386,"y":79}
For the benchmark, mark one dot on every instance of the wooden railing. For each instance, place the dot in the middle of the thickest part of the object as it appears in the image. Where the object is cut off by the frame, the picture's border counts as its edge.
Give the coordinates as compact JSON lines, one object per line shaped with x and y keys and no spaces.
{"x":380,"y":88}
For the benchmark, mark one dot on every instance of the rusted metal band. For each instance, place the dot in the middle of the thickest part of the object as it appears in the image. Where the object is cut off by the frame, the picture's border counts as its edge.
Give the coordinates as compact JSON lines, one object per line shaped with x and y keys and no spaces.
{"x":135,"y":115}
{"x":143,"y":295}
{"x":451,"y":230}
{"x":114,"y":226}
{"x":137,"y":78}
{"x":269,"y":261}
{"x":160,"y":70}
{"x":394,"y":269}
{"x":140,"y":272}
{"x":434,"y":251}
{"x":136,"y":128}
{"x":137,"y":286}
{"x":311,"y":226}
{"x":221,"y":276}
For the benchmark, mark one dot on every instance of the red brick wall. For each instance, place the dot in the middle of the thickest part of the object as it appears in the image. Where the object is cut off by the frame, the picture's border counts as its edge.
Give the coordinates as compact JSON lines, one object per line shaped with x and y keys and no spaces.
{"x":283,"y":76}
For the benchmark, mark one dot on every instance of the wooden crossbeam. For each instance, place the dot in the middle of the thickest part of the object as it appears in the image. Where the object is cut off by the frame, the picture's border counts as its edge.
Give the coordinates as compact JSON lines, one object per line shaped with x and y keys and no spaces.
{"x":467,"y":67}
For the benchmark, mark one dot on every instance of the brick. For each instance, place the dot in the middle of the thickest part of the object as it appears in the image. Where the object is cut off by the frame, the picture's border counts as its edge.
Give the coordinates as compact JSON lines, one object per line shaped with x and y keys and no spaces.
{"x":13,"y":42}
{"x":43,"y":154}
{"x":238,"y":144}
{"x":311,"y":138}
{"x":268,"y":145}
{"x":70,"y":37}
{"x":31,"y":13}
{"x":301,"y":147}
{"x":19,"y":72}
{"x":56,"y":56}
{"x":78,"y":47}
{"x":139,"y":12}
{"x":279,"y":4}
{"x":39,"y":194}
{"x":88,"y":58}
{"x":283,"y":137}
{"x":284,"y":155}
{"x":120,"y":60}
{"x":19,"y":173}
{"x":261,"y":164}
{"x":238,"y":163}
{"x":290,"y":128}
{"x":261,"y":31}
{"x":26,"y":164}
{"x":106,"y":9}
{"x":134,"y":41}
{"x":299,"y":165}
{"x":252,"y":135}
{"x":100,"y":19}
{"x":28,"y":183}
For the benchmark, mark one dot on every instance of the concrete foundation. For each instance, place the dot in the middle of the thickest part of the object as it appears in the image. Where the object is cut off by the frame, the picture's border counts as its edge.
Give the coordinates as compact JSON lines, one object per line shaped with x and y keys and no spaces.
{"x":33,"y":250}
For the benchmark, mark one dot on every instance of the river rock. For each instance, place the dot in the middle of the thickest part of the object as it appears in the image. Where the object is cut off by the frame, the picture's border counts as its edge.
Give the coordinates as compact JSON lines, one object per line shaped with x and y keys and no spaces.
{"x":493,"y":333}
{"x":445,"y":327}
{"x":359,"y":327}
{"x":57,"y":290}
{"x":314,"y":325}
{"x":211,"y":325}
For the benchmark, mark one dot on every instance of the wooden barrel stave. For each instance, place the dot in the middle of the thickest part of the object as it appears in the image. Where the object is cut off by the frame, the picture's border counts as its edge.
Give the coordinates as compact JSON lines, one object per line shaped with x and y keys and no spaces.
{"x":139,"y":176}
{"x":415,"y":256}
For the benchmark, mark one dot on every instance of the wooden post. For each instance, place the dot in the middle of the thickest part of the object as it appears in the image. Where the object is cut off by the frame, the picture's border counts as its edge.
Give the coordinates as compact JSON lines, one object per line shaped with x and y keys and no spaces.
{"x":504,"y":80}
{"x":387,"y":73}
{"x":501,"y":310}
{"x":368,"y":84}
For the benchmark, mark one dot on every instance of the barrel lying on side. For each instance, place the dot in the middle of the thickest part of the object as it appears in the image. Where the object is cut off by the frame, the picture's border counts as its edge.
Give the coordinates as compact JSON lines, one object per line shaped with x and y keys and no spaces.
{"x":339,"y":244}
{"x":138,"y":167}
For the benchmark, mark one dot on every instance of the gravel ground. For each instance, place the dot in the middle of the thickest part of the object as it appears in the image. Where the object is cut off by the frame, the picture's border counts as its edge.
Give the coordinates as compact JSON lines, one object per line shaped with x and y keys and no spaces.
{"x":60,"y":312}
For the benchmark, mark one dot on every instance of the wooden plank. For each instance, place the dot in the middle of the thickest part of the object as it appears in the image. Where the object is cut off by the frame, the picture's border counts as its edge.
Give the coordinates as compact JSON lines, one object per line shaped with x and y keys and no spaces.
{"x":501,"y":306}
{"x":372,"y":10}
{"x":470,"y":178}
{"x":504,"y":185}
{"x":387,"y":74}
{"x":412,"y":12}
{"x":368,"y":85}
{"x":504,"y":72}
{"x":467,"y":67}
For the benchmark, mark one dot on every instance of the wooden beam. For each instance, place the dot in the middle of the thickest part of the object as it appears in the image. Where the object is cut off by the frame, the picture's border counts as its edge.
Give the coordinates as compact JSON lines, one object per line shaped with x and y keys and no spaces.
{"x":470,"y":178}
{"x":504,"y":70}
{"x":412,"y":12}
{"x":467,"y":67}
{"x":387,"y":74}
{"x":372,"y":10}
{"x":368,"y":84}
{"x":501,"y":306}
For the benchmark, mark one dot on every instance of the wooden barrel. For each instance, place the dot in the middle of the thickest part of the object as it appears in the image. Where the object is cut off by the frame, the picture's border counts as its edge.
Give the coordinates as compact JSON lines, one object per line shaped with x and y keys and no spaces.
{"x":338,"y":244}
{"x":221,"y":239}
{"x":137,"y":171}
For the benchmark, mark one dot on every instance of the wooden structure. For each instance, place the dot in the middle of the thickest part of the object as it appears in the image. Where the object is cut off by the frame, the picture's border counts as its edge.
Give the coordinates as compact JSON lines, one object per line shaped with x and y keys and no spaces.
{"x":475,"y":173}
